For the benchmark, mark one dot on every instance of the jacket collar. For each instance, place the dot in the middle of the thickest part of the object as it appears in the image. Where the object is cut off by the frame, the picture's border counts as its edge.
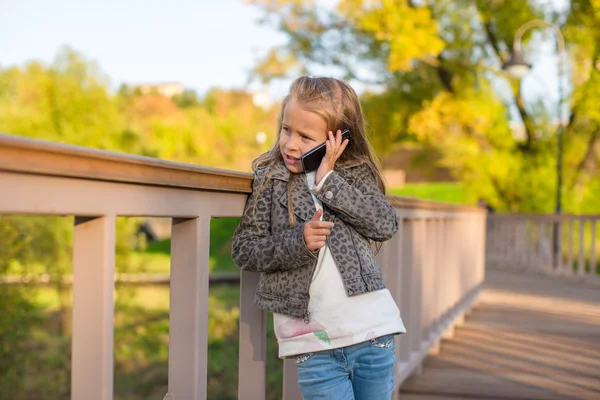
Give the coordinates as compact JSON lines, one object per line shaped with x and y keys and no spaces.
{"x":302,"y":201}
{"x":279,"y":171}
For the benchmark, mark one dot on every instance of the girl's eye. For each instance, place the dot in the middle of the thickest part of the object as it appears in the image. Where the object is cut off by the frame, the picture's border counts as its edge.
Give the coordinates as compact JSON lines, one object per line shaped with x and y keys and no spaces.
{"x":306,"y":138}
{"x":286,"y":129}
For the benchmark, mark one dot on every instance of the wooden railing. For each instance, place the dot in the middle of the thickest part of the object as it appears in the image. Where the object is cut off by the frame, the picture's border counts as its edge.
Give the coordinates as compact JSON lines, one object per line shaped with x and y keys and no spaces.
{"x":545,"y":243}
{"x":434,"y":266}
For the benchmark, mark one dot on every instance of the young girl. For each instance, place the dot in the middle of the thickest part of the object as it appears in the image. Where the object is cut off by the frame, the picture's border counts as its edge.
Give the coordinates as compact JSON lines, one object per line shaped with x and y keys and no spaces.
{"x":310,"y":235}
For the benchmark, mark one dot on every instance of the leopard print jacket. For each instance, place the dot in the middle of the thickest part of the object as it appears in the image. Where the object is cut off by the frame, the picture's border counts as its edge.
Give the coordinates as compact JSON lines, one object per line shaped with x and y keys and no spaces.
{"x":265,"y":242}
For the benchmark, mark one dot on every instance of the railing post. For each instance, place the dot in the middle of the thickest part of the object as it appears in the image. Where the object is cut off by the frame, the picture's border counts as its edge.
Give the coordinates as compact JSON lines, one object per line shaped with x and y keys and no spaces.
{"x":436,"y":257}
{"x":540,"y":245}
{"x":508,"y":251}
{"x":427,"y":278}
{"x":569,"y":269}
{"x":522,"y":243}
{"x":291,"y":390}
{"x":391,"y":261}
{"x":407,"y":292}
{"x":253,"y":344}
{"x":581,"y":260}
{"x":93,"y":308}
{"x":188,"y":320}
{"x":416,"y":309}
{"x":593,"y":249}
{"x":481,"y":262}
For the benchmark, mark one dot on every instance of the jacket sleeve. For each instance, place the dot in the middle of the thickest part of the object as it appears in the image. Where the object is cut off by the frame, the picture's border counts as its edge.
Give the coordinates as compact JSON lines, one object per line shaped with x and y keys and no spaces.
{"x":361,"y":204}
{"x":255,"y":248}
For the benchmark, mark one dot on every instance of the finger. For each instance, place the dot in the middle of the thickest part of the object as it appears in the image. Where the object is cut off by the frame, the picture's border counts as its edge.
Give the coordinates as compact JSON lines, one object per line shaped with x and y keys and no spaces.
{"x":320,"y":232}
{"x":329,"y":151}
{"x":333,"y":142}
{"x":338,"y":138}
{"x":343,"y":147}
{"x":312,"y":246}
{"x":317,"y":216}
{"x":319,"y":244}
{"x":323,"y":225}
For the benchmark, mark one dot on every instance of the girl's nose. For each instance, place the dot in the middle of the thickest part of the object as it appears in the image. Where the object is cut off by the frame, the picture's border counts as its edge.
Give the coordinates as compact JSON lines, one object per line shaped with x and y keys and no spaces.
{"x":293,"y":144}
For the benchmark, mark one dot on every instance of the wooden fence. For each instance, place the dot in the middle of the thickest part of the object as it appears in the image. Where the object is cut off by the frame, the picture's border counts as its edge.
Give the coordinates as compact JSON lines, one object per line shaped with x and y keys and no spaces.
{"x":434,"y":266}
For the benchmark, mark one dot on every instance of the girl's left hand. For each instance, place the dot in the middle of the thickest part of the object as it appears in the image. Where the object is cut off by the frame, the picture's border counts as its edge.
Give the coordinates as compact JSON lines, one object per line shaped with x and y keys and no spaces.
{"x":335,"y":147}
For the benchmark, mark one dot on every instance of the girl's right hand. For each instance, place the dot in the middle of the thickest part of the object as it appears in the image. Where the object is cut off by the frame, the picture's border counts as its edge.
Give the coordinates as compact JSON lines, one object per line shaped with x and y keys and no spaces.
{"x":316,"y":231}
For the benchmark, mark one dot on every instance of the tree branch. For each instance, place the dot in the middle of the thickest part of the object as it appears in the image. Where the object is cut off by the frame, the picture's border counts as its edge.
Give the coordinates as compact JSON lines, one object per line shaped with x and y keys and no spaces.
{"x":445,"y":75}
{"x":501,"y":192}
{"x":493,"y":41}
{"x":587,"y":157}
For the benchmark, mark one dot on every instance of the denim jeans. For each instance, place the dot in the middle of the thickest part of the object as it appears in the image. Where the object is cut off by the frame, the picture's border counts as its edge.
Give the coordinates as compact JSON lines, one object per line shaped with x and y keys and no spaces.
{"x":364,"y":371}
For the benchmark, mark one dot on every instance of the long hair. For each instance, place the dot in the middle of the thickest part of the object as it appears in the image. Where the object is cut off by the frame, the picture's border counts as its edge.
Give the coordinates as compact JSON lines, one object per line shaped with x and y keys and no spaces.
{"x":338,"y":104}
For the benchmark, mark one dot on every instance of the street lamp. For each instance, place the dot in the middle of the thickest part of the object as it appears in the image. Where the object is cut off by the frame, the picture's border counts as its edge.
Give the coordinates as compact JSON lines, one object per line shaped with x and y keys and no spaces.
{"x":518,"y":67}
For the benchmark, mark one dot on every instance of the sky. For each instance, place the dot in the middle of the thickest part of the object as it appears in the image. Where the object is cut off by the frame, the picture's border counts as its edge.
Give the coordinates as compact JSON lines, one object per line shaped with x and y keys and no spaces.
{"x":201,"y":44}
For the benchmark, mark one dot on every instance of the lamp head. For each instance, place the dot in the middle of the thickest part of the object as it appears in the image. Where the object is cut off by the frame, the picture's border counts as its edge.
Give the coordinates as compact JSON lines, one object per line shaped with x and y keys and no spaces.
{"x":516,"y":66}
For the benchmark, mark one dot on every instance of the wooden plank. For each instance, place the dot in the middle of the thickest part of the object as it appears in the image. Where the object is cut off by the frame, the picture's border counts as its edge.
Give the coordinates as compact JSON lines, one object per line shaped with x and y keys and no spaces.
{"x":93,"y":308}
{"x":39,"y":157}
{"x":291,"y":390}
{"x":42,"y":195}
{"x":581,"y":258}
{"x":530,"y":336}
{"x":476,"y":384}
{"x":252,"y":380}
{"x":593,"y":249}
{"x":188,"y":318}
{"x":417,"y":396}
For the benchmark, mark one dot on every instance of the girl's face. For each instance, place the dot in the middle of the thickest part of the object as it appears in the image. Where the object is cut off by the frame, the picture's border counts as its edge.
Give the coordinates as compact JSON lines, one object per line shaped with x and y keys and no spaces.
{"x":301,"y":131}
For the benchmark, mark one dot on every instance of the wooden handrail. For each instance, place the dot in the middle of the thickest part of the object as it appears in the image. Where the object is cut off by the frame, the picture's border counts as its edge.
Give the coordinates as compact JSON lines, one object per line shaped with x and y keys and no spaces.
{"x":414,"y":203}
{"x":544,"y":243}
{"x":33,"y":156}
{"x":40,"y":157}
{"x":433,"y":266}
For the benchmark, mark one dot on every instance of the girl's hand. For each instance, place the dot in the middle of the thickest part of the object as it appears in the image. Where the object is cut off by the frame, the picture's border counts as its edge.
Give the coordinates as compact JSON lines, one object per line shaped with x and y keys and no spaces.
{"x":316,"y":231}
{"x":335,"y":147}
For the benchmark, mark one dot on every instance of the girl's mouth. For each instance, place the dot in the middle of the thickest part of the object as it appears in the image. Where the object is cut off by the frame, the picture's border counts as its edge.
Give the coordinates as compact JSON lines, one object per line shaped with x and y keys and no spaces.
{"x":291,"y":160}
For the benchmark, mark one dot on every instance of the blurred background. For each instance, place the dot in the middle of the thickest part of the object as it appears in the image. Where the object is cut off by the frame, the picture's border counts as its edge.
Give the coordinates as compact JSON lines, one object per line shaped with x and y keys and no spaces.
{"x":199,"y":82}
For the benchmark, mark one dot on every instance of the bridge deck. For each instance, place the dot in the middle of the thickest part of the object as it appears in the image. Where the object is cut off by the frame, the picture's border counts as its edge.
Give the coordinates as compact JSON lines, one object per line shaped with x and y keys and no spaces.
{"x":528,"y":337}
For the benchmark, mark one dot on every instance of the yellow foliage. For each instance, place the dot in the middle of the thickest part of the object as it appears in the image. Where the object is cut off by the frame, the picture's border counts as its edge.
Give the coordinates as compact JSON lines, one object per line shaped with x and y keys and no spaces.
{"x":410,"y":32}
{"x":472,"y":113}
{"x":596,"y":7}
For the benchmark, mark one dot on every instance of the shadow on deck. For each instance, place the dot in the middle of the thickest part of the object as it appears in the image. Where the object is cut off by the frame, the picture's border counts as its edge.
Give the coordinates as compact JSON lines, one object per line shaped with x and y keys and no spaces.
{"x":528,"y":337}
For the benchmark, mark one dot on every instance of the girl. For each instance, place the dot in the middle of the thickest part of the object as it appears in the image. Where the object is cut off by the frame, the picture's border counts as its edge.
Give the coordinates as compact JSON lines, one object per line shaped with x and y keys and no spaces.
{"x":310,"y":235}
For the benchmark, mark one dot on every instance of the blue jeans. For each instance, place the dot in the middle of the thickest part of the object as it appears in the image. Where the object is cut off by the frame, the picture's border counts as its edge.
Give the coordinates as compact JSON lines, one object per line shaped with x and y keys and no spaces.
{"x":364,"y":371}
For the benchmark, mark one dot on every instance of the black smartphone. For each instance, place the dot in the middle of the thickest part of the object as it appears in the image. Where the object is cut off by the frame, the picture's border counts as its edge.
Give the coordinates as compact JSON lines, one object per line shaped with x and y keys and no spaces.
{"x":312,"y":158}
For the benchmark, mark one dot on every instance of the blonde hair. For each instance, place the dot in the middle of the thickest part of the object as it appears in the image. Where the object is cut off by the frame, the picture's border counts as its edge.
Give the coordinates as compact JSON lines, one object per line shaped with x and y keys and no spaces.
{"x":338,"y":104}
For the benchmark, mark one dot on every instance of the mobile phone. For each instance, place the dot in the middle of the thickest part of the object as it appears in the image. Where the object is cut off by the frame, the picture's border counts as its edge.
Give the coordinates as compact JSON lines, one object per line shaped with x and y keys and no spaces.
{"x":312,"y":158}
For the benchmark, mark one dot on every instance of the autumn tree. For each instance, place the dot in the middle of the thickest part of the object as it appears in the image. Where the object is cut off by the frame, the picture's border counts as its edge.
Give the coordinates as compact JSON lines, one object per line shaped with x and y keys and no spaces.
{"x":433,"y":75}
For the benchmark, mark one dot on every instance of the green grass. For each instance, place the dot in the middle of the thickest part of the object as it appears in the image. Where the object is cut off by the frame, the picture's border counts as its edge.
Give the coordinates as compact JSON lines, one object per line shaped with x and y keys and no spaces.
{"x":450,"y":192}
{"x":156,"y":259}
{"x":150,"y":262}
{"x":141,"y":342}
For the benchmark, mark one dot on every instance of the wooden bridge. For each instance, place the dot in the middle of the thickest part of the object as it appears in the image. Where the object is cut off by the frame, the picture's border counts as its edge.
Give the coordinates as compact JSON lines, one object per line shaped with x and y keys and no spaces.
{"x":528,"y":337}
{"x":495,"y":319}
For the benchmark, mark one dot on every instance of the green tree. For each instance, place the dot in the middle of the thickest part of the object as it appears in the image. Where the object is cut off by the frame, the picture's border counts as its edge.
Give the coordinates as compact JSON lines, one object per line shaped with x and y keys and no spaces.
{"x":69,"y":101}
{"x":436,"y":67}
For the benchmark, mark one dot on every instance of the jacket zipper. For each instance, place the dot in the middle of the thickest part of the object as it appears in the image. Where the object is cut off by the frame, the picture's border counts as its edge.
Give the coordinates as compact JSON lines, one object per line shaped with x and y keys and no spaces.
{"x":312,"y":273}
{"x":306,"y":312}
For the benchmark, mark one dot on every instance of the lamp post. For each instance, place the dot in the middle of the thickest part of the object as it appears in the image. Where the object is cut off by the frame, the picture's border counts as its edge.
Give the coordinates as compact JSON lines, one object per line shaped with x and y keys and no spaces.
{"x":517,"y":67}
